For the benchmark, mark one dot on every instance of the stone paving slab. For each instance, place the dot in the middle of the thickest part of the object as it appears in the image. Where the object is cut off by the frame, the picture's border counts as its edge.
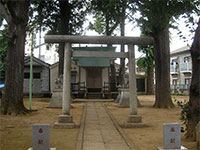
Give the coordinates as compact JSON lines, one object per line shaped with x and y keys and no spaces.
{"x":116,"y":146}
{"x":87,"y":145}
{"x":90,"y":138}
{"x":99,"y":131}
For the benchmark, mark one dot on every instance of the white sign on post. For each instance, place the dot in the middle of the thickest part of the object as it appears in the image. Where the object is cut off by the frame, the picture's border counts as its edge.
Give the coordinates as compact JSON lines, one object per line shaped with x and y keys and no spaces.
{"x":40,"y":137}
{"x":172,"y":137}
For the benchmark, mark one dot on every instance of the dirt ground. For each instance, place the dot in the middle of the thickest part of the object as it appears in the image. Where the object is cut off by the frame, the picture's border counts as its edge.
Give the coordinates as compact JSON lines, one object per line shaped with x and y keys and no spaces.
{"x":151,"y":136}
{"x":16,"y":131}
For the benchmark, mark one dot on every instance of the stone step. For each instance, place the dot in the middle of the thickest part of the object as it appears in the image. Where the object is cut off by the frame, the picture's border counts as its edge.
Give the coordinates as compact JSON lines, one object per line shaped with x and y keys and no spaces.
{"x":94,"y":95}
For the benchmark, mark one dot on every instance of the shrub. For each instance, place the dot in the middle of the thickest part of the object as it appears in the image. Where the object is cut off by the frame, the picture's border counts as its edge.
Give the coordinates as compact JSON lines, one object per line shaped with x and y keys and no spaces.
{"x":184,"y":111}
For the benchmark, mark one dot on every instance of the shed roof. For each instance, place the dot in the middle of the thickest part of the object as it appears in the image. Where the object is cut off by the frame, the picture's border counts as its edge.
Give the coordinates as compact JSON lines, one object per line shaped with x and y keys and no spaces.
{"x":93,"y":62}
{"x":36,"y":62}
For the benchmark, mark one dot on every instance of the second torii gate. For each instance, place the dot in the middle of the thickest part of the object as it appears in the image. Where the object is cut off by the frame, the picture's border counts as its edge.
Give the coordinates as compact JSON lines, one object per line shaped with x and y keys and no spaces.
{"x":65,"y":120}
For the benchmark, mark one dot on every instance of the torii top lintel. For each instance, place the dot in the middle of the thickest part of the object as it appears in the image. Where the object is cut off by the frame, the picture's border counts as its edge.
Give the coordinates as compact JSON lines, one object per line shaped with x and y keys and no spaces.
{"x":99,"y":39}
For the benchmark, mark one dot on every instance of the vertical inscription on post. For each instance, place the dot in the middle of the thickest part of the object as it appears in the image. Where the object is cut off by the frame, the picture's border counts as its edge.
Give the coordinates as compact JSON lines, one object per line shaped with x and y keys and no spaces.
{"x":40,"y":137}
{"x":172,"y":135}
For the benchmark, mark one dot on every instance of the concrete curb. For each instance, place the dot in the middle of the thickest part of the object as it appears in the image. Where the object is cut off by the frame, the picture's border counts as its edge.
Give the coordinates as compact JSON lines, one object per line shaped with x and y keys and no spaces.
{"x":79,"y":145}
{"x":124,"y":136}
{"x":93,"y":100}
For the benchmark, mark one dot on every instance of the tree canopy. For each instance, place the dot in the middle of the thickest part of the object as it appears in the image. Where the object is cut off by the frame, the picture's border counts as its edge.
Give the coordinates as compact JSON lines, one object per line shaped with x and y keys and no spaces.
{"x":107,"y":15}
{"x":156,"y":15}
{"x":49,"y":15}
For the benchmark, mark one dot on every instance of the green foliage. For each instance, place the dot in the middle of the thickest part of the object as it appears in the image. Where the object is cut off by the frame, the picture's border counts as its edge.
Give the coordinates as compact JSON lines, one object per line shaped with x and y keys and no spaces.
{"x":98,"y":25}
{"x":107,"y":15}
{"x":146,"y":61}
{"x":3,"y":48}
{"x":48,"y":15}
{"x":142,"y":62}
{"x":177,"y":94}
{"x":184,"y":111}
{"x":156,"y":14}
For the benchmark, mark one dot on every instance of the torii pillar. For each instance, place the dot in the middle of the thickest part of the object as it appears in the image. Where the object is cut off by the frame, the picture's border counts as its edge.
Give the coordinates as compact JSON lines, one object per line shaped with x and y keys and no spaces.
{"x":65,"y":119}
{"x":133,"y":120}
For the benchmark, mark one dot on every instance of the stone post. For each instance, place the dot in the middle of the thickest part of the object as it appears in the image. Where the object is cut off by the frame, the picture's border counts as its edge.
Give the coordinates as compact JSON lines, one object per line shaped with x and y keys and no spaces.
{"x":133,"y":119}
{"x":132,"y":80}
{"x":67,"y":80}
{"x":65,"y":120}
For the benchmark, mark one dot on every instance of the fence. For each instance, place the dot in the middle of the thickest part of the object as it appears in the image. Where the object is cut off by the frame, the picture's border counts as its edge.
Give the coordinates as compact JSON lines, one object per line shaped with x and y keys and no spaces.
{"x":180,"y":89}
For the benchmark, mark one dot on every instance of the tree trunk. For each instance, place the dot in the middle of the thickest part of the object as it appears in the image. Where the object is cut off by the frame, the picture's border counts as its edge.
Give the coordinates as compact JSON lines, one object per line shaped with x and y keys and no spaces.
{"x":122,"y":69}
{"x":12,"y":101}
{"x":150,"y":85}
{"x":162,"y":68}
{"x":193,"y":114}
{"x":61,"y":59}
{"x":112,"y":77}
{"x":122,"y":60}
{"x":112,"y":65}
{"x":63,"y":30}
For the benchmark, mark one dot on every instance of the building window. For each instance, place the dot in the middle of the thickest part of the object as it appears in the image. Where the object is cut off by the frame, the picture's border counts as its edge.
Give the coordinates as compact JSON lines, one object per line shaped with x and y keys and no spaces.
{"x":188,"y":81}
{"x":35,"y":75}
{"x":26,"y":75}
{"x":186,"y":59}
{"x":174,"y":62}
{"x":140,"y":69}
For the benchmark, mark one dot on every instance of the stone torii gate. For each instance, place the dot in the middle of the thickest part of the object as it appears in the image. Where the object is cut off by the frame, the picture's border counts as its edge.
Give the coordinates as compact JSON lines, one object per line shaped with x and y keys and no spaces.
{"x":65,"y":120}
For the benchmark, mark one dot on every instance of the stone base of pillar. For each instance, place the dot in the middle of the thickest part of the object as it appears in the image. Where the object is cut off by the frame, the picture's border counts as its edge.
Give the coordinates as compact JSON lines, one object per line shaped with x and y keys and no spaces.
{"x":181,"y":148}
{"x":50,"y":149}
{"x":134,"y":121}
{"x":56,"y":99}
{"x":64,"y":122}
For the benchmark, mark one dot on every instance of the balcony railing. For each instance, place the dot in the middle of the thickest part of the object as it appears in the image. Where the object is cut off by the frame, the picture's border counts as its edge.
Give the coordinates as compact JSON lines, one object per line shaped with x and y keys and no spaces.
{"x":186,"y":67}
{"x":173,"y":69}
{"x":180,"y":87}
{"x":139,"y":70}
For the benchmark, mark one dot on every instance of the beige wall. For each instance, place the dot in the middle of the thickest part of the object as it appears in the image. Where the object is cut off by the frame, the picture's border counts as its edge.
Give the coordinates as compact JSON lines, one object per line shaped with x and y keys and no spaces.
{"x":105,"y":75}
{"x":82,"y":75}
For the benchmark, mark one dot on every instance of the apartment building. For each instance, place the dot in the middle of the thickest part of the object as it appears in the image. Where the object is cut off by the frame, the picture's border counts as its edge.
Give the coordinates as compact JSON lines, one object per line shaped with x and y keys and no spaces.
{"x":180,"y":70}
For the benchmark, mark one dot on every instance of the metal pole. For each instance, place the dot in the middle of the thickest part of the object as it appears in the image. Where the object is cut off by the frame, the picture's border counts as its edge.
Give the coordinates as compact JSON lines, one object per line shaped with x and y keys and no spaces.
{"x":40,"y":43}
{"x":31,"y":74}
